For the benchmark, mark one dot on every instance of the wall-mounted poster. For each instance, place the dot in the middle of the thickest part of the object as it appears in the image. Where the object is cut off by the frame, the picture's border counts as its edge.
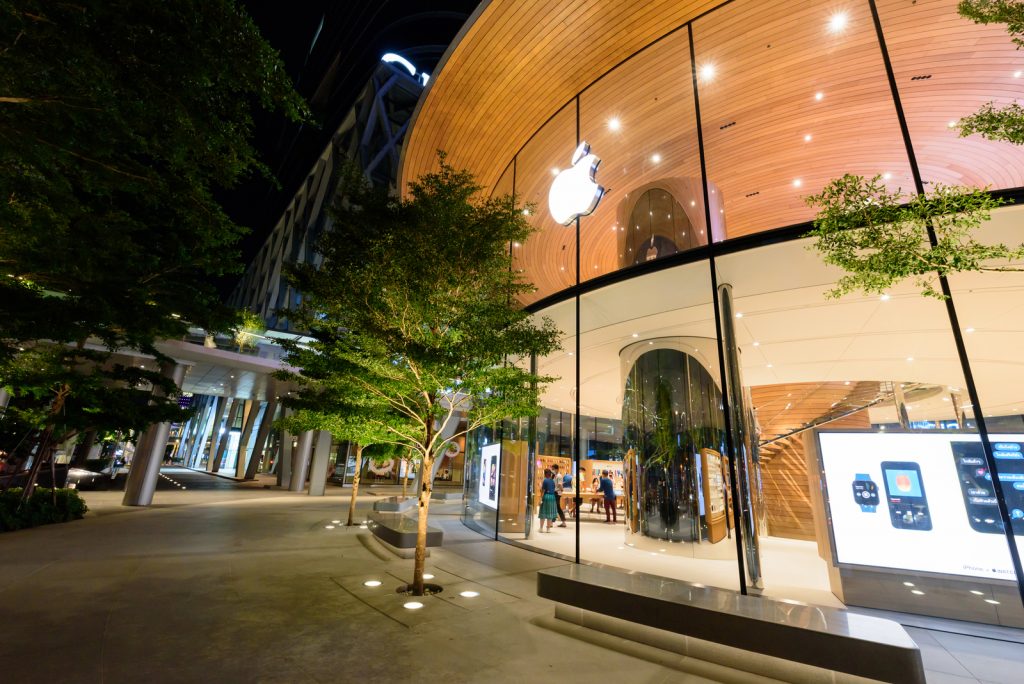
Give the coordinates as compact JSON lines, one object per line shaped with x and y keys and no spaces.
{"x":490,"y":467}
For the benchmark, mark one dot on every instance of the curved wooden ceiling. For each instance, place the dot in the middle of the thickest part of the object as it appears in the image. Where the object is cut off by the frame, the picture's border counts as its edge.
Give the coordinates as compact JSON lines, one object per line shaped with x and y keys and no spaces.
{"x":515,"y":64}
{"x":769,"y":140}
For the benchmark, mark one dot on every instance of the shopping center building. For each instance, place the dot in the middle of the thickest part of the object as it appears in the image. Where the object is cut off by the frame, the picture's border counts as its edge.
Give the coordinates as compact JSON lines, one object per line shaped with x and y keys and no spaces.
{"x":762,"y":436}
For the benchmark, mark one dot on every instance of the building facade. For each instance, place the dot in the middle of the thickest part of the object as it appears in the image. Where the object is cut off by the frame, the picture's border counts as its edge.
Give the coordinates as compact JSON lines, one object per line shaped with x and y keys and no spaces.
{"x":760,"y":434}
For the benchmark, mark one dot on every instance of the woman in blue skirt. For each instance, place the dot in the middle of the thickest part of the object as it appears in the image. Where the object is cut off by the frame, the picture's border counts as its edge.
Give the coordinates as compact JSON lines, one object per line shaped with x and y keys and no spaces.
{"x":548,"y":506}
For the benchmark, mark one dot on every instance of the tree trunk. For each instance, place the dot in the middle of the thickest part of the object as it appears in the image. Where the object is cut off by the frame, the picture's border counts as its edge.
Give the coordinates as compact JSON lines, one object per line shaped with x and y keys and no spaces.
{"x":355,"y":484}
{"x":402,"y":466}
{"x":426,"y":466}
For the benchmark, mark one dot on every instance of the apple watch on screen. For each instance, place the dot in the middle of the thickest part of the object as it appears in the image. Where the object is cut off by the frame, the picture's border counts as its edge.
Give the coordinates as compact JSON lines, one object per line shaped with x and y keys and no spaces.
{"x":865,"y":492}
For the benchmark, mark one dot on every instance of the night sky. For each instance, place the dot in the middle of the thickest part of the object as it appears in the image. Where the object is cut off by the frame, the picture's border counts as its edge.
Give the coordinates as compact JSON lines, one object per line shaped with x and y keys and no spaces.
{"x":330,"y":48}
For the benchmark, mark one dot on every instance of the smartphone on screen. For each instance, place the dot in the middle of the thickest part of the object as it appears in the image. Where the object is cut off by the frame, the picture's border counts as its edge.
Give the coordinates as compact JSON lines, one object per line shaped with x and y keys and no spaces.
{"x":905,"y":495}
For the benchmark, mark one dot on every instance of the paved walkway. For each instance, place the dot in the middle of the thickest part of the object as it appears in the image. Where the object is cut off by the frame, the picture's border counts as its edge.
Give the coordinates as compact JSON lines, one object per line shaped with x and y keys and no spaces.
{"x":245,"y":584}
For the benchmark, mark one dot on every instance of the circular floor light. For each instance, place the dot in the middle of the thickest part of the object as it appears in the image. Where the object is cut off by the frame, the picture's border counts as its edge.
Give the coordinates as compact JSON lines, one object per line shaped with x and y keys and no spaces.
{"x":427,"y":575}
{"x":372,"y":583}
{"x":469,"y":594}
{"x":413,"y":605}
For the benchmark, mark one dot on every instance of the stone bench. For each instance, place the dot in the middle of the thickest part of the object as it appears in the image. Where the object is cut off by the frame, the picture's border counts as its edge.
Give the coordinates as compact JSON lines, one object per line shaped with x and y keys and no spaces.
{"x":397,"y":532}
{"x":683,"y":617}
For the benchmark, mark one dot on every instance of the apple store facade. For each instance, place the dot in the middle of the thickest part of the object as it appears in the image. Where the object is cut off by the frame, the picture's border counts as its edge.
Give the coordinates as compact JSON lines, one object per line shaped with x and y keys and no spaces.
{"x":759,"y":435}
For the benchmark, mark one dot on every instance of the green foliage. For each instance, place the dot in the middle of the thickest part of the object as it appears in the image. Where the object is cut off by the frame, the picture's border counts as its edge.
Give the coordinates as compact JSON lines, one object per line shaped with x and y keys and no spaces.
{"x":413,"y":312}
{"x":119,"y":120}
{"x":995,"y":123}
{"x":992,"y":122}
{"x":881,"y":238}
{"x":40,"y":508}
{"x":1009,"y":12}
{"x":248,"y":328}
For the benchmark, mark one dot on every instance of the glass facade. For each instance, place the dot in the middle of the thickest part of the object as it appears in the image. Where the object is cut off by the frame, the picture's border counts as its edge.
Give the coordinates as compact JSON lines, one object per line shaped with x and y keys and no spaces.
{"x":754,"y":432}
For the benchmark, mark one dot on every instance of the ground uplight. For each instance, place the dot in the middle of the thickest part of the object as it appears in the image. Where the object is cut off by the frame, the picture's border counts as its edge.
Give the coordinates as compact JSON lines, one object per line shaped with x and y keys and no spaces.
{"x":413,"y":605}
{"x":469,"y":594}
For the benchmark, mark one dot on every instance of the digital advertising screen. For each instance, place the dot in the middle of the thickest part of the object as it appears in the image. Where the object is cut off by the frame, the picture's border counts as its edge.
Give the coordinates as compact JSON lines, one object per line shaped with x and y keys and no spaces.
{"x":490,"y":468}
{"x":922,"y":502}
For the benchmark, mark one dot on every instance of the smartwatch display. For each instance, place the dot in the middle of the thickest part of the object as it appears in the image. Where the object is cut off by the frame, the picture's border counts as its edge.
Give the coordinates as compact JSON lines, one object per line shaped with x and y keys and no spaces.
{"x":865,"y":492}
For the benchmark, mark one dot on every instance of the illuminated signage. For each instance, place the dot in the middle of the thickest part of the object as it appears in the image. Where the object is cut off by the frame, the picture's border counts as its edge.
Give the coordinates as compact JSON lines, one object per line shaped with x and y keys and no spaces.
{"x":574,"y":192}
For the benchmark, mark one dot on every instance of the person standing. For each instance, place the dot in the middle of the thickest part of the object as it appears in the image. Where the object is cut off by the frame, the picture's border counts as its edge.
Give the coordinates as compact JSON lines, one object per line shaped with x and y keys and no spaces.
{"x":558,"y":493}
{"x":607,"y":487}
{"x":548,"y":510}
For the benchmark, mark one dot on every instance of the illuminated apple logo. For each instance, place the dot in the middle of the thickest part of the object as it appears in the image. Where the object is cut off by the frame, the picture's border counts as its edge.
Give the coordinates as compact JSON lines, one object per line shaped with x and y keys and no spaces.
{"x":574,"y":192}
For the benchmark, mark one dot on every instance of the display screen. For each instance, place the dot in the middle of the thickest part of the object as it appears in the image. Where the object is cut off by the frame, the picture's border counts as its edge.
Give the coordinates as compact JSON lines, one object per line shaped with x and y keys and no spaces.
{"x":490,"y":470}
{"x":936,"y":508}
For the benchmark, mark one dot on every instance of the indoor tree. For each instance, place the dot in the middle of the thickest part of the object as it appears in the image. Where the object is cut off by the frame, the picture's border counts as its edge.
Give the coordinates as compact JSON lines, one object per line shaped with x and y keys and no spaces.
{"x":119,"y":120}
{"x":418,"y":297}
{"x":880,"y":238}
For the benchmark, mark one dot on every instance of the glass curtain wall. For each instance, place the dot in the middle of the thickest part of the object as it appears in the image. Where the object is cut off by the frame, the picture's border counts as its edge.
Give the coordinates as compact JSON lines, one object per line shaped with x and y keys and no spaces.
{"x":847,"y":419}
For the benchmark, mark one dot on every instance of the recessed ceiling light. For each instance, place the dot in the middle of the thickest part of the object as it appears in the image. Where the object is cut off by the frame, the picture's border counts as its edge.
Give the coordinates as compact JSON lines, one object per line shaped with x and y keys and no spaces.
{"x":614,"y":124}
{"x":555,"y":171}
{"x":707,"y":72}
{"x":847,"y":382}
{"x":970,"y":330}
{"x":739,"y":314}
{"x":910,"y":358}
{"x":837,"y":23}
{"x":951,"y":124}
{"x":1017,"y":74}
{"x":469,"y":594}
{"x":885,"y":297}
{"x":656,"y":158}
{"x":413,"y":605}
{"x":886,"y":176}
{"x":819,"y":96}
{"x":526,"y":212}
{"x":757,"y":344}
{"x":770,"y":366}
{"x":797,"y":182}
{"x":693,"y":203}
{"x":372,"y":583}
{"x":807,"y":138}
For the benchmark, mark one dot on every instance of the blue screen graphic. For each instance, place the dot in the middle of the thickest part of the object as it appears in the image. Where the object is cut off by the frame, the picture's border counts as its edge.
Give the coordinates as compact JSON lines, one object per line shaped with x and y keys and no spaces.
{"x":903,"y":483}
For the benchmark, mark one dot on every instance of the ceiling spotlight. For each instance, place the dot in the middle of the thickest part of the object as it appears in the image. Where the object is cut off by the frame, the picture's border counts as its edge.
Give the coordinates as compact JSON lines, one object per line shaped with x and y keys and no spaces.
{"x":555,"y":171}
{"x":770,"y":365}
{"x":636,"y":334}
{"x":797,"y":182}
{"x":807,"y":138}
{"x":757,"y":344}
{"x":951,"y":124}
{"x":656,"y":158}
{"x":970,"y":330}
{"x":838,"y":22}
{"x":1017,"y":74}
{"x":910,"y":358}
{"x":526,"y":212}
{"x":819,"y":96}
{"x":885,"y":298}
{"x":886,"y":176}
{"x":614,"y":124}
{"x":707,"y":72}
{"x":739,"y":314}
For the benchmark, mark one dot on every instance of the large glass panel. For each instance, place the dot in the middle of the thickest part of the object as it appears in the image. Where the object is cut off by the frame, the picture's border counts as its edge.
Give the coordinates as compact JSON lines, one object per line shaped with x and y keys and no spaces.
{"x":948,"y":67}
{"x":640,"y":120}
{"x":855,"y":409}
{"x":652,"y":419}
{"x":548,"y":258}
{"x":989,"y":310}
{"x":531,"y":446}
{"x":792,"y":94}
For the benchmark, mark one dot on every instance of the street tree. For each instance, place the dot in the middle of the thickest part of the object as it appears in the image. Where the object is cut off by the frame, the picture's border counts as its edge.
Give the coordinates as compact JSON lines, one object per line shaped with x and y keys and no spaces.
{"x":418,"y":296}
{"x":119,"y":120}
{"x":880,"y":238}
{"x":992,"y":121}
